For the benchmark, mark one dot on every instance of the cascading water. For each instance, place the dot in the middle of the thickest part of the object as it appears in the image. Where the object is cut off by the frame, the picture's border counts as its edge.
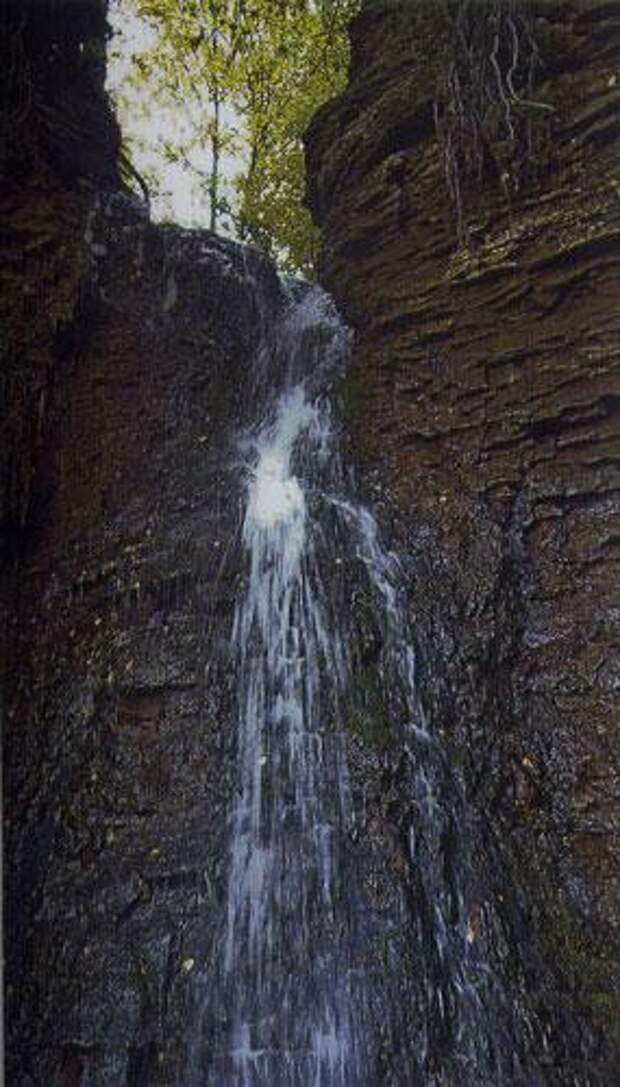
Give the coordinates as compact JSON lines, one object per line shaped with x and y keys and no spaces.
{"x":333,"y":967}
{"x":281,"y":892}
{"x":284,"y":978}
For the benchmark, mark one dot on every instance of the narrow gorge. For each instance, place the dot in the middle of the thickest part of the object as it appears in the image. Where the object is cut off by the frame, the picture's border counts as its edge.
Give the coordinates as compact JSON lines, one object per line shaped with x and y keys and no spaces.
{"x":310,"y":600}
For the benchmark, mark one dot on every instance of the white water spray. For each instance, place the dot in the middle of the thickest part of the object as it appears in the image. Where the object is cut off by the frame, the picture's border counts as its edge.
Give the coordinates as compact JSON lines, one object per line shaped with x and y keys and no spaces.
{"x":293,"y":784}
{"x":306,"y":987}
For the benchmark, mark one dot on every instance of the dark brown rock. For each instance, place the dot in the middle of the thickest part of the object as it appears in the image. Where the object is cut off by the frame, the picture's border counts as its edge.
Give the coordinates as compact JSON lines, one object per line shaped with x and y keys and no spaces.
{"x":126,"y":356}
{"x":481,"y":404}
{"x":59,"y":143}
{"x":119,"y":722}
{"x":484,"y":396}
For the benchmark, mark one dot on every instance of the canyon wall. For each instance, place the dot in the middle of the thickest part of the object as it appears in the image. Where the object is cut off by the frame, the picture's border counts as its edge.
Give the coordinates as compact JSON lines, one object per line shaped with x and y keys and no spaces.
{"x":126,"y":354}
{"x":482,"y":412}
{"x":60,"y":144}
{"x":483,"y":400}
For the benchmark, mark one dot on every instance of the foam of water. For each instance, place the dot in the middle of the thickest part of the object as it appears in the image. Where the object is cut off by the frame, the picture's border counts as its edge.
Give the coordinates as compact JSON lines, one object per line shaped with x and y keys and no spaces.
{"x":292,"y":993}
{"x":292,"y":796}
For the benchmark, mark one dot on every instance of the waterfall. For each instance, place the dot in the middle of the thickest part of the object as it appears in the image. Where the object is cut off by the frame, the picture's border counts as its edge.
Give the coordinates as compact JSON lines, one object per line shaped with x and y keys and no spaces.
{"x":349,"y":951}
{"x":281,"y":891}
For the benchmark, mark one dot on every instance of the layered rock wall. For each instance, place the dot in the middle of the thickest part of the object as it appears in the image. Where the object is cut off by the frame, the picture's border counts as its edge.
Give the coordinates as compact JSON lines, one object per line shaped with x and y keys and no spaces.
{"x":126,"y":354}
{"x":481,"y":405}
{"x":484,"y":395}
{"x":119,"y":734}
{"x":60,"y":144}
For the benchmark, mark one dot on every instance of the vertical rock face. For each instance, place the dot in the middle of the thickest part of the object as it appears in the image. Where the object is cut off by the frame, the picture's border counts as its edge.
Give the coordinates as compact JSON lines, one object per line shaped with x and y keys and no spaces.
{"x":60,"y":143}
{"x":119,"y":737}
{"x":481,"y":404}
{"x":126,"y":356}
{"x":484,"y":395}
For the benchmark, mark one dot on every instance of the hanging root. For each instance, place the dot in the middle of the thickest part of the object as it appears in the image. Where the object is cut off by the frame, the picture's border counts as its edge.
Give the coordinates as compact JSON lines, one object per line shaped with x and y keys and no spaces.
{"x":487,"y":123}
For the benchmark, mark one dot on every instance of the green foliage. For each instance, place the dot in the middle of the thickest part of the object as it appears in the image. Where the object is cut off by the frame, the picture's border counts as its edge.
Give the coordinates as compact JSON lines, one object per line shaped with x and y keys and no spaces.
{"x":256,"y":72}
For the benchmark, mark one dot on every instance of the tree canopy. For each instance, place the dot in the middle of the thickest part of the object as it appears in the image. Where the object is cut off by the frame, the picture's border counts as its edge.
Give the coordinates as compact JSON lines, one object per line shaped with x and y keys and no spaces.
{"x":255,"y":72}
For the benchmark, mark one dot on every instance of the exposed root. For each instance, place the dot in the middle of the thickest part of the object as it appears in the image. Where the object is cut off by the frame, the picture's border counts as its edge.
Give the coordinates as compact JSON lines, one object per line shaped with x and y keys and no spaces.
{"x":486,"y":117}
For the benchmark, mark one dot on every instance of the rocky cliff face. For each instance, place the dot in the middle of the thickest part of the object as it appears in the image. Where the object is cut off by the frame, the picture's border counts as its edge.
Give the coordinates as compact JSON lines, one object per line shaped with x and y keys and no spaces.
{"x":60,"y":143}
{"x":481,"y":408}
{"x":126,"y":357}
{"x":484,"y":396}
{"x":119,"y":725}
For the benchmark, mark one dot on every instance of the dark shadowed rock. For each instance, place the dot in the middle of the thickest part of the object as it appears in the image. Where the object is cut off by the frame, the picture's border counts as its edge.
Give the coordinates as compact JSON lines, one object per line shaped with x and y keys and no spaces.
{"x":127,"y":355}
{"x":119,"y":739}
{"x":482,"y":404}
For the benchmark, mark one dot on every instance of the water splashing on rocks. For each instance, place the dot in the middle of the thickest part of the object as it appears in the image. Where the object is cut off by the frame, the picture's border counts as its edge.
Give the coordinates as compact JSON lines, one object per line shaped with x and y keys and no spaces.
{"x":349,"y":951}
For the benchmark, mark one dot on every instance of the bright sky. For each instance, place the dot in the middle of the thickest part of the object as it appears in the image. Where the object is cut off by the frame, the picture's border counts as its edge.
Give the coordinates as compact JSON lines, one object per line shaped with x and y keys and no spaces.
{"x":146,"y":127}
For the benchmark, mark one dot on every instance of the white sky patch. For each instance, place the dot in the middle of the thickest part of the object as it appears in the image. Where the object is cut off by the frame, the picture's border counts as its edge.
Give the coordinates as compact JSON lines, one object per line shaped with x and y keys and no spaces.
{"x":179,"y":196}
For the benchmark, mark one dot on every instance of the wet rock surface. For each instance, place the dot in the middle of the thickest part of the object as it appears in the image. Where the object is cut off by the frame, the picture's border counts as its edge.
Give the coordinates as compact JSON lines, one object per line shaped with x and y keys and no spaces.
{"x":119,"y":731}
{"x":483,"y":401}
{"x":126,"y":361}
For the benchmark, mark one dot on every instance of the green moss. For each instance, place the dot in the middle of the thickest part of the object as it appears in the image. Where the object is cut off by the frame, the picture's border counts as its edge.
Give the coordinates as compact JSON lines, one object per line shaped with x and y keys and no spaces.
{"x":367,"y":717}
{"x":607,"y":1002}
{"x":606,"y":1010}
{"x":435,"y":330}
{"x":585,"y":963}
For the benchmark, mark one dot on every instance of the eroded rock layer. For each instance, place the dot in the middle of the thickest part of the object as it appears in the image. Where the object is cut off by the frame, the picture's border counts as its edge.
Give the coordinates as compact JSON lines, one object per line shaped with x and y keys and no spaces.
{"x":119,"y":732}
{"x":60,"y":143}
{"x":481,"y":404}
{"x":126,"y":354}
{"x":484,"y":394}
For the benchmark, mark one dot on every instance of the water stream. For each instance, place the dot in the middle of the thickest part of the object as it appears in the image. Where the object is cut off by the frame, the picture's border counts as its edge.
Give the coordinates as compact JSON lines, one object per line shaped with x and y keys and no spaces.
{"x":331,"y":969}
